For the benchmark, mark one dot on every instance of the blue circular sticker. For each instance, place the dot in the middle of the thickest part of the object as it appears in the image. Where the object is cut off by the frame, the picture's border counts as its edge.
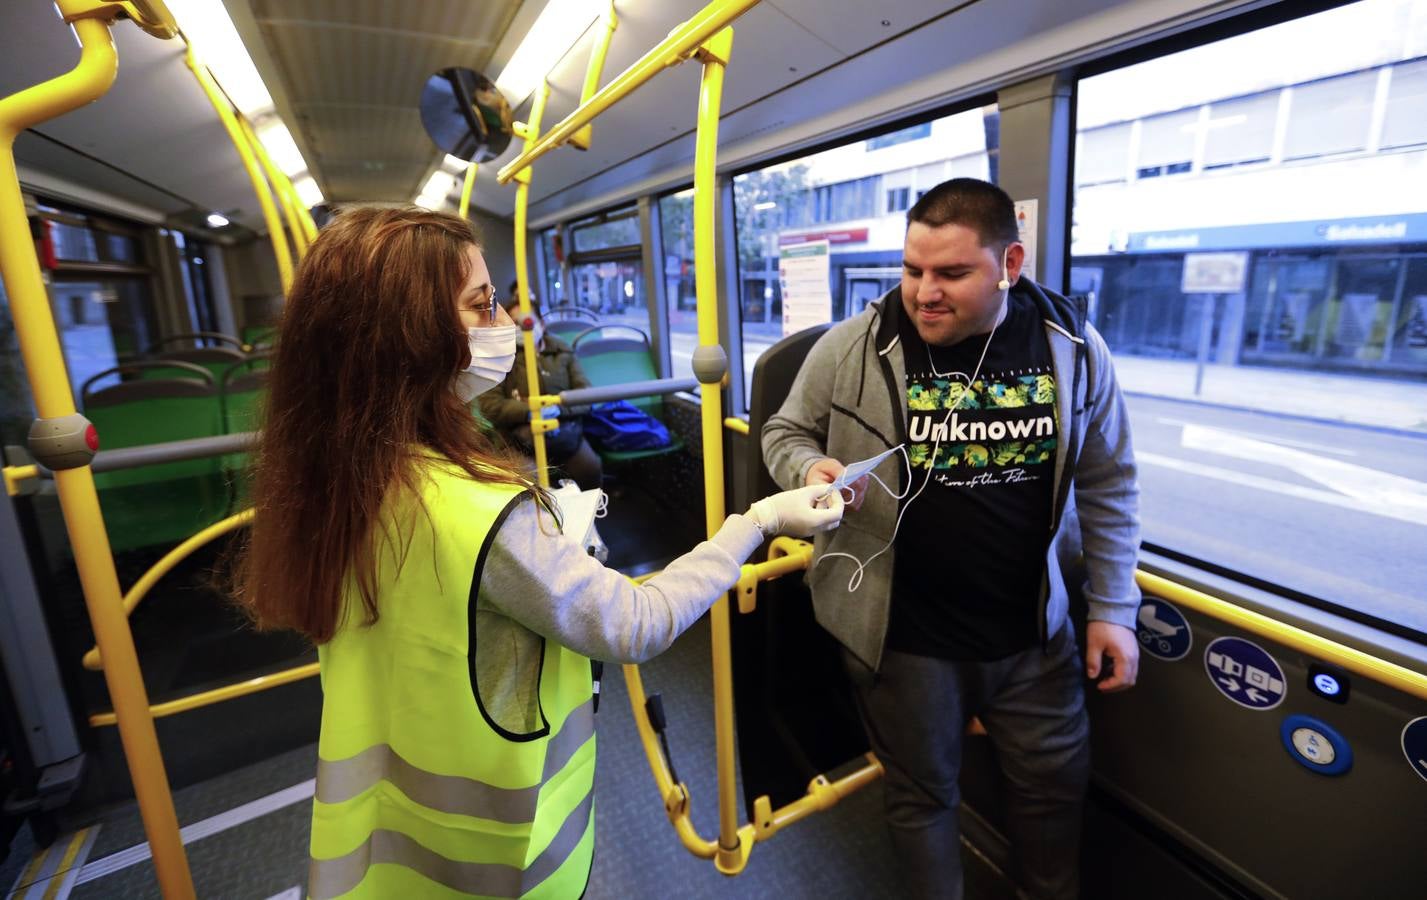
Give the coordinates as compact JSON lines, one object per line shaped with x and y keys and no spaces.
{"x":1414,"y":745}
{"x":1162,"y":629}
{"x":1244,"y":672}
{"x":1315,"y":745}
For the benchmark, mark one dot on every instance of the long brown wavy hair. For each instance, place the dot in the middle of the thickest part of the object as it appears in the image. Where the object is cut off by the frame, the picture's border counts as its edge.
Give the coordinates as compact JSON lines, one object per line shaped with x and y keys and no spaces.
{"x":361,"y":380}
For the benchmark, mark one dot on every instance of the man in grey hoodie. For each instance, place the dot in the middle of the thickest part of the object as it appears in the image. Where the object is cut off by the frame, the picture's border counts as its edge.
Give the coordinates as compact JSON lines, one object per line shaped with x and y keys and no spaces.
{"x":950,"y":597}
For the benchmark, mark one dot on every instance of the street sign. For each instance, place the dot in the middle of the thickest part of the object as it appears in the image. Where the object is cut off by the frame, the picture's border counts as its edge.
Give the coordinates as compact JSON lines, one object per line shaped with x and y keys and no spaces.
{"x":1214,"y":273}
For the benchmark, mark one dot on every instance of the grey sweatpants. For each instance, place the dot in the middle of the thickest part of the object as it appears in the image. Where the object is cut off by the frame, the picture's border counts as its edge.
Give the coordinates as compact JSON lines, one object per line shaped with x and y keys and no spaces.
{"x":1033,"y":706}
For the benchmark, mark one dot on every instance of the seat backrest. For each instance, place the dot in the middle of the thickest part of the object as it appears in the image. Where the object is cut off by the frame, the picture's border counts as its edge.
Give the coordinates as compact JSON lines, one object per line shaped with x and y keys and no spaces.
{"x":773,"y":376}
{"x":566,"y":328}
{"x":608,"y":361}
{"x":242,"y":387}
{"x":216,"y":360}
{"x":791,"y":693}
{"x":154,"y":411}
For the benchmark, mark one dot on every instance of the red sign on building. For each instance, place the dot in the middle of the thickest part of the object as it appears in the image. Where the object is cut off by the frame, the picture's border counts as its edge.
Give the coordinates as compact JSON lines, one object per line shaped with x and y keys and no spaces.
{"x":845,"y":236}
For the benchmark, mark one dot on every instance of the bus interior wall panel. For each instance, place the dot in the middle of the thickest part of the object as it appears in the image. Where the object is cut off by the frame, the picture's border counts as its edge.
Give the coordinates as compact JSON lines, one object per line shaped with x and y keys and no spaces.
{"x":1217,"y":776}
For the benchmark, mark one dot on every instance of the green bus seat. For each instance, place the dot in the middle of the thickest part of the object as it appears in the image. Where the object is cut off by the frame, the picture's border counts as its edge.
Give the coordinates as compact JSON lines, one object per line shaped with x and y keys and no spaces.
{"x":568,"y":320}
{"x":168,"y":502}
{"x":216,"y":352}
{"x":621,"y":360}
{"x":242,"y":390}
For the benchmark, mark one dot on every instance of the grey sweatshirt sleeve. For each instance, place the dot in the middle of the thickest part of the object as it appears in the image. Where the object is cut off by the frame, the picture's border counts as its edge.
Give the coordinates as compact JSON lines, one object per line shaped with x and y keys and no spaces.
{"x":548,"y":583}
{"x":1107,"y":496}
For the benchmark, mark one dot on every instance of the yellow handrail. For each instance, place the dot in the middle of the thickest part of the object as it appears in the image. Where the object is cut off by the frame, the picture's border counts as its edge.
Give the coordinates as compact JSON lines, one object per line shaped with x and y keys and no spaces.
{"x":680,"y":43}
{"x":50,"y":387}
{"x":16,"y":474}
{"x":470,"y":182}
{"x":538,"y":424}
{"x":93,"y":660}
{"x":734,"y":423}
{"x":610,"y":21}
{"x":733,"y":847}
{"x":250,"y":165}
{"x":275,"y":180}
{"x":1356,"y":661}
{"x":219,"y":695}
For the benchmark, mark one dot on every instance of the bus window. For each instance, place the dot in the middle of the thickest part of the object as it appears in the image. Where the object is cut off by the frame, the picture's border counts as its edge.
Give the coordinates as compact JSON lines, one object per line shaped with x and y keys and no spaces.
{"x":606,"y":267}
{"x":1271,"y":335}
{"x":676,"y":228}
{"x":855,"y":198}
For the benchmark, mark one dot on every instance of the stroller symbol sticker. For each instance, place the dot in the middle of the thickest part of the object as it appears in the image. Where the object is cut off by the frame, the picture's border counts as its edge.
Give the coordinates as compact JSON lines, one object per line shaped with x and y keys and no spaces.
{"x":1162,"y":630}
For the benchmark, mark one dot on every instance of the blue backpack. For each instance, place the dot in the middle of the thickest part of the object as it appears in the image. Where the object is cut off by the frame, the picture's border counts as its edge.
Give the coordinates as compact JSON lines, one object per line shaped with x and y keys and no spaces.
{"x":623,"y":426}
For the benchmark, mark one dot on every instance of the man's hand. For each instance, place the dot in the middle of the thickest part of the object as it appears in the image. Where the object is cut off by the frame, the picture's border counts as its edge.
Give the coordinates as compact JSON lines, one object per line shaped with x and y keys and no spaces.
{"x":1118,"y":643}
{"x":826,"y":471}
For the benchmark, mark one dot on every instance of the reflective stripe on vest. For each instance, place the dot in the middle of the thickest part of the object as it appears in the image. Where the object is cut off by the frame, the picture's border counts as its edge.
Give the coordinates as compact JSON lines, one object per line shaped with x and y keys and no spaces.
{"x":334,"y":877}
{"x":419,"y":792}
{"x":341,"y":780}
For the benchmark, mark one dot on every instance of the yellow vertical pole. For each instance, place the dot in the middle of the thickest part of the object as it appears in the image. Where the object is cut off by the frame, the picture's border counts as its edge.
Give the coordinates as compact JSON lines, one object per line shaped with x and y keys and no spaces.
{"x":304,"y":218}
{"x":522,"y":278}
{"x":250,"y":164}
{"x":275,"y":179}
{"x":714,"y":55}
{"x":470,"y":183}
{"x":598,"y":52}
{"x":79,"y":503}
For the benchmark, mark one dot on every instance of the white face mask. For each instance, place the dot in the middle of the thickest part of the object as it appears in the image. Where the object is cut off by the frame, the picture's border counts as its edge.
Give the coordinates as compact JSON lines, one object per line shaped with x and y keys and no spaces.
{"x":492,"y":356}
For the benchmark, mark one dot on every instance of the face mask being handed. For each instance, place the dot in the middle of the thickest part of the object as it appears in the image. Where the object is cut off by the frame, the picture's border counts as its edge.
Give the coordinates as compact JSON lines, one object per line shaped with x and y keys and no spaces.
{"x":492,"y":356}
{"x":858,"y":469}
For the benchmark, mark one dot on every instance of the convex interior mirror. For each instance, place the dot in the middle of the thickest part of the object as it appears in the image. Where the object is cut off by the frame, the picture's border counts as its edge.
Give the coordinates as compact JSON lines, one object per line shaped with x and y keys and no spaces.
{"x":466,"y":115}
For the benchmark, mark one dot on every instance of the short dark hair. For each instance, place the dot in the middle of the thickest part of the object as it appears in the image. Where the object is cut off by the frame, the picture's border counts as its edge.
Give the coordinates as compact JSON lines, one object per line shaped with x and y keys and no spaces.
{"x":511,"y":301}
{"x":972,"y":203}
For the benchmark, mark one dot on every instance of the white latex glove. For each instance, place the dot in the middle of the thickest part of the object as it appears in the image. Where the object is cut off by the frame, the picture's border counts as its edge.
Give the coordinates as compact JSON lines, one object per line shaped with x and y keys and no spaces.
{"x":798,"y":513}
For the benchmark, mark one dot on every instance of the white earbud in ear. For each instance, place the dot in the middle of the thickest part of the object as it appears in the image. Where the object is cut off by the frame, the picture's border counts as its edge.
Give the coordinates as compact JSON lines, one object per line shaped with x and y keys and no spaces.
{"x":1004,"y":284}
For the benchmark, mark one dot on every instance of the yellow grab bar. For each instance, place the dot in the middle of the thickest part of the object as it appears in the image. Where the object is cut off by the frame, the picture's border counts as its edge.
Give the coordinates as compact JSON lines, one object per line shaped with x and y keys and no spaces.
{"x":680,"y":43}
{"x":16,"y":474}
{"x":735,"y":424}
{"x":733,"y":847}
{"x":50,"y":387}
{"x":610,"y":21}
{"x":538,"y":424}
{"x":470,"y":182}
{"x":250,"y":164}
{"x":275,"y":183}
{"x":218,"y":695}
{"x":1356,"y":661}
{"x":93,"y":660}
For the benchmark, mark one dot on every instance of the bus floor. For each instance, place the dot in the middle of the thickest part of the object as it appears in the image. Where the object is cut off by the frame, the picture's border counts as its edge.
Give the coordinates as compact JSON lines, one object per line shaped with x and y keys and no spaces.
{"x":247,"y":830}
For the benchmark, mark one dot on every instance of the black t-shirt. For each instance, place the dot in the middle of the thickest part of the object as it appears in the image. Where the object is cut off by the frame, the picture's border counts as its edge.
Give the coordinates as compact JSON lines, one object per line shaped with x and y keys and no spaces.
{"x":970,"y":554}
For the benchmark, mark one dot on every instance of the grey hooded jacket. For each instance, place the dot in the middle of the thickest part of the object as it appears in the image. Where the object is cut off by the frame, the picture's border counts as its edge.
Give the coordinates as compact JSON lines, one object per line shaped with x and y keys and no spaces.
{"x":849,"y":402}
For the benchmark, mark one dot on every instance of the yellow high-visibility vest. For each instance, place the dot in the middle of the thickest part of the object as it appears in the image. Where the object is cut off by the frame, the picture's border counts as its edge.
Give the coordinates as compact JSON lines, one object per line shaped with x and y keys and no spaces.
{"x":419,"y":792}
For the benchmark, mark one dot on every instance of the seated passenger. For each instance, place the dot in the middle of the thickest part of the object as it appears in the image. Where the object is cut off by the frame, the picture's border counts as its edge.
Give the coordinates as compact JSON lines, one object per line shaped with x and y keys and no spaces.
{"x":455,"y":624}
{"x":508,"y":408}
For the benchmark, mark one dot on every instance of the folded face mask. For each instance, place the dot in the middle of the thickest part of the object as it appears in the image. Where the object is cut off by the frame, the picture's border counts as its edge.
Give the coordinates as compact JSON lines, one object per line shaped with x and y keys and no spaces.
{"x":858,"y":469}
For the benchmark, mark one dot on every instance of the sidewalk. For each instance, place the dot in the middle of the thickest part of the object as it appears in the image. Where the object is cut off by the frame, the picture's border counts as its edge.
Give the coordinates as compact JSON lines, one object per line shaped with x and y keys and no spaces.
{"x":1332,"y":397}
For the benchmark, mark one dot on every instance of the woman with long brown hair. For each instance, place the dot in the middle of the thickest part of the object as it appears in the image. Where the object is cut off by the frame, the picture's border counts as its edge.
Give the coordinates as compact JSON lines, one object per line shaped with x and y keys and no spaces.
{"x":454,"y":622}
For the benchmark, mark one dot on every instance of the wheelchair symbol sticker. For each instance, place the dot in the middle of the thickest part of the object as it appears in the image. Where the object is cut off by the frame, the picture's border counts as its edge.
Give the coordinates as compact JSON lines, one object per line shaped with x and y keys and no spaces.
{"x":1162,"y":630}
{"x":1244,"y":672}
